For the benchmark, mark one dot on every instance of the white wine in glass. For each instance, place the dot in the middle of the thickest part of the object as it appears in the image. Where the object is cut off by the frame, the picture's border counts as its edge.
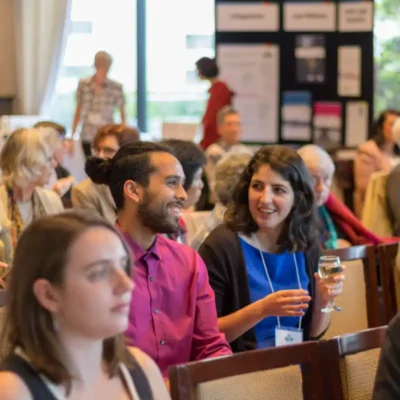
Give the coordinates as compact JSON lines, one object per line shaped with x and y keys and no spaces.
{"x":328,"y":266}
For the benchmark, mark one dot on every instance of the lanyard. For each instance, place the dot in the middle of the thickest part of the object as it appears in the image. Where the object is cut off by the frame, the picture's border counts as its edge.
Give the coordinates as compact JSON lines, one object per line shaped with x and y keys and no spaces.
{"x":269,"y":278}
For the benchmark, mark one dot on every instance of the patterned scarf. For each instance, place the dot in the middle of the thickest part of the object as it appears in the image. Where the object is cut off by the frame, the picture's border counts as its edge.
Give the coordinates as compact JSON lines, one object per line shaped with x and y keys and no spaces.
{"x":14,"y":214}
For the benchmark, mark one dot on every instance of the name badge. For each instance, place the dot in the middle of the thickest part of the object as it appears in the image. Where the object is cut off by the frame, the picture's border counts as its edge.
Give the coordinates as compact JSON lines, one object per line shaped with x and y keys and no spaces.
{"x":285,"y":336}
{"x":95,"y":118}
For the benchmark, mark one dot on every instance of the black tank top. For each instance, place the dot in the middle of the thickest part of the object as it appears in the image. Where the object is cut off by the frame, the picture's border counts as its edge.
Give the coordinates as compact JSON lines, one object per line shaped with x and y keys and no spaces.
{"x":39,"y":390}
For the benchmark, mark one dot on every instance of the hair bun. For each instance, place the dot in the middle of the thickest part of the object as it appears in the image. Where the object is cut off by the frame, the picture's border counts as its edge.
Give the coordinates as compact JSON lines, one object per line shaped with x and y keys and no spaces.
{"x":98,"y":169}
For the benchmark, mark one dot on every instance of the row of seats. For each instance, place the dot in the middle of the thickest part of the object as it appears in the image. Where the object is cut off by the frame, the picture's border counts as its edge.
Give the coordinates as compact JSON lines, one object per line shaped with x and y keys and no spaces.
{"x":370,"y":295}
{"x":335,"y":369}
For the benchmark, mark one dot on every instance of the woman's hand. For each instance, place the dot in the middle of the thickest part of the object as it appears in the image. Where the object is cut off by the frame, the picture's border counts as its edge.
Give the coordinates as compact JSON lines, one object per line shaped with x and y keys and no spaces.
{"x":286,"y":303}
{"x":329,"y":288}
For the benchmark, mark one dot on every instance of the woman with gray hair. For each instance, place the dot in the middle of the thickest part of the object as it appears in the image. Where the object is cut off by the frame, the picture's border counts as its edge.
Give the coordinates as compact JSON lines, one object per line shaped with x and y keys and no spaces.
{"x":227,"y":173}
{"x":27,"y":162}
{"x":337,"y":225}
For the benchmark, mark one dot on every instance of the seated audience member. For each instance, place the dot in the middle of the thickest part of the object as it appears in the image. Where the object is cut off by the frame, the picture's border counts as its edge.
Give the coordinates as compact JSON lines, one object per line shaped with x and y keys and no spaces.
{"x":227,"y":174}
{"x":27,"y":162}
{"x":393,"y":187}
{"x":173,"y":317}
{"x":263,"y":262}
{"x":67,"y":309}
{"x":229,"y":131}
{"x":89,"y":196}
{"x":192,"y":160}
{"x":337,"y":226}
{"x":56,"y":136}
{"x":387,"y":380}
{"x":378,"y":154}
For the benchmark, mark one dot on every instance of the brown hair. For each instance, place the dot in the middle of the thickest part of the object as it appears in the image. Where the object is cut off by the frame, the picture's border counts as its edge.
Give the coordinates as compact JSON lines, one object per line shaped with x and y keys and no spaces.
{"x":122,"y":133}
{"x":299,"y":232}
{"x":42,"y":252}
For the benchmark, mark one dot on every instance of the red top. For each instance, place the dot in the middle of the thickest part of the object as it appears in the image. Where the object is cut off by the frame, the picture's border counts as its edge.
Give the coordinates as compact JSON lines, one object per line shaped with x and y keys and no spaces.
{"x":220,"y":96}
{"x":356,"y":233}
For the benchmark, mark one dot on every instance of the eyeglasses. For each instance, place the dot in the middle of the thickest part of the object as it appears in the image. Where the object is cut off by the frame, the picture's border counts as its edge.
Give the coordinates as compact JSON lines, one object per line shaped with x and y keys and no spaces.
{"x":104,"y":152}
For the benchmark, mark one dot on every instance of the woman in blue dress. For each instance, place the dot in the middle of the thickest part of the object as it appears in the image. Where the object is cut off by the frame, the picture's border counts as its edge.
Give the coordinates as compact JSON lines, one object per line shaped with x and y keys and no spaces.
{"x":263,"y":260}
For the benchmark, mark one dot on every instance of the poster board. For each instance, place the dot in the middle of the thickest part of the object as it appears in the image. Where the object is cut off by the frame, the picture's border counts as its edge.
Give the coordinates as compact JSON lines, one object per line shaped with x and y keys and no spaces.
{"x":318,"y":66}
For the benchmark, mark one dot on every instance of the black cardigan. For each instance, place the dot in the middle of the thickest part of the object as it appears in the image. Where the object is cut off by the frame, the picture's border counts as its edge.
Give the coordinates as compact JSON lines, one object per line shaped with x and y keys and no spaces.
{"x":223,"y":256}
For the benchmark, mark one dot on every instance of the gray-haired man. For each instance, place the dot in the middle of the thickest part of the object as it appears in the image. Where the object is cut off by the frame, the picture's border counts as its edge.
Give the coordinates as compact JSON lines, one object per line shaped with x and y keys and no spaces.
{"x":229,"y":130}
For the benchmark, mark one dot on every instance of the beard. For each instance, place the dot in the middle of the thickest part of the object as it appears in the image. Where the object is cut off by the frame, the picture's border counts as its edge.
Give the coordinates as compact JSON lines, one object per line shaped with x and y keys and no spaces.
{"x":157,"y":217}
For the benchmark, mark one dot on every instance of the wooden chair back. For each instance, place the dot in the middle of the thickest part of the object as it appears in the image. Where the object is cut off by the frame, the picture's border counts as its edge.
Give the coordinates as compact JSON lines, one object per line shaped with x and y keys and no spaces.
{"x":387,"y":254}
{"x":284,"y":372}
{"x":350,"y":363}
{"x":366,"y":254}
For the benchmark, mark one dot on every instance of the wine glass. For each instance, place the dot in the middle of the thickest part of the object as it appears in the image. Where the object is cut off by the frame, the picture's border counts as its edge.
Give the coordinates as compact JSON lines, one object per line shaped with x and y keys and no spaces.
{"x":328,"y":266}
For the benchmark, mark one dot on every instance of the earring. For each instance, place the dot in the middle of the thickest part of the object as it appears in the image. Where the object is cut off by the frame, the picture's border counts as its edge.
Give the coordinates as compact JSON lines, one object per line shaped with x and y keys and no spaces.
{"x":56,"y":325}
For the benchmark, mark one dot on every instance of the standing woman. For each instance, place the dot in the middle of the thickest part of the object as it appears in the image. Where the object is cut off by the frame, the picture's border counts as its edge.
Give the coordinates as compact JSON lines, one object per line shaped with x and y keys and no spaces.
{"x":263,"y":262}
{"x":67,"y":308}
{"x":220,"y":96}
{"x":377,"y":154}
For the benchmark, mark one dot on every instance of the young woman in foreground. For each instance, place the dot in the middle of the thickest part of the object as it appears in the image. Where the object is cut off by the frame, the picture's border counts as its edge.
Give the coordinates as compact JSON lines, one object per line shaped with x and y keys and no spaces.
{"x":68,"y":304}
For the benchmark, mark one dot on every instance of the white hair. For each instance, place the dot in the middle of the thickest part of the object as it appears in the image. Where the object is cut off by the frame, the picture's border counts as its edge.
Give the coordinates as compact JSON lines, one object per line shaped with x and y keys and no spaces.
{"x":23,"y":156}
{"x":316,"y":157}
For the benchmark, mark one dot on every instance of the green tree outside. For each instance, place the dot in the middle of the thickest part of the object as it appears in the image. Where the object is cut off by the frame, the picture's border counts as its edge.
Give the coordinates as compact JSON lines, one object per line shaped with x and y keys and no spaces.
{"x":387,"y":56}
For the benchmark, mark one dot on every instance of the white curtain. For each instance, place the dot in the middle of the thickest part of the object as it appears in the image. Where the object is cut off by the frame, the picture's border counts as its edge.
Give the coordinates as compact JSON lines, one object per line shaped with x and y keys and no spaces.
{"x":41,"y":31}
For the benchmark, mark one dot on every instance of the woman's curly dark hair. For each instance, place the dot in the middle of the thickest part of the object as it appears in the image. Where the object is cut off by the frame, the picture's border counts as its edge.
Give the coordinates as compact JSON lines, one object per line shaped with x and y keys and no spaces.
{"x":299,"y":232}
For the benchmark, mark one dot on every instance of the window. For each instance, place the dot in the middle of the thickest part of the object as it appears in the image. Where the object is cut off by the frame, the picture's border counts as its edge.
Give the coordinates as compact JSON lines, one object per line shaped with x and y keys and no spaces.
{"x":199,"y":41}
{"x":98,"y":25}
{"x":387,"y":47}
{"x":178,"y":33}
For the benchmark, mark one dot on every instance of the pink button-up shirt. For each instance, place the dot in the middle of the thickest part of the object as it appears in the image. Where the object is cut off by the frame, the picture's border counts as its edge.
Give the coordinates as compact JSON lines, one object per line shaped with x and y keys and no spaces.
{"x":173,"y":315}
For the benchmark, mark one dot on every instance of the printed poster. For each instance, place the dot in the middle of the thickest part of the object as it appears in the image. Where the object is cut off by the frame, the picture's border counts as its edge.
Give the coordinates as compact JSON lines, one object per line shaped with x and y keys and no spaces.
{"x":310,"y":56}
{"x":328,"y":124}
{"x":252,"y":72}
{"x":296,"y":115}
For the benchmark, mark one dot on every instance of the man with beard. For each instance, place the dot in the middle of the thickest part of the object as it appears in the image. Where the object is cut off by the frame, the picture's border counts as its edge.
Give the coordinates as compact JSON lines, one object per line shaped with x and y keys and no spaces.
{"x":173,"y":314}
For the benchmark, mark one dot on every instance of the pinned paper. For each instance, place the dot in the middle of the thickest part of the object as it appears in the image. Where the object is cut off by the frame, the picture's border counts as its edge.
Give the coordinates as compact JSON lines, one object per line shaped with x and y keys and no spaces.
{"x":309,"y":17}
{"x":245,"y":17}
{"x":252,"y":71}
{"x":349,"y":71}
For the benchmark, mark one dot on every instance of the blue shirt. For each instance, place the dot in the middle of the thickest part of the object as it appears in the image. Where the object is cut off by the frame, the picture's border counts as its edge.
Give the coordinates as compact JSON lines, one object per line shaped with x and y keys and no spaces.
{"x":282,"y":271}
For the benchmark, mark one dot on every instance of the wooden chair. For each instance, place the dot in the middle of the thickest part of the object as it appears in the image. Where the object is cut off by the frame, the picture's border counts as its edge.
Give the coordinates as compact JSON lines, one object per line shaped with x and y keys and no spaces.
{"x":360,"y":297}
{"x":289,"y":372}
{"x":349,"y":364}
{"x":387,"y":254}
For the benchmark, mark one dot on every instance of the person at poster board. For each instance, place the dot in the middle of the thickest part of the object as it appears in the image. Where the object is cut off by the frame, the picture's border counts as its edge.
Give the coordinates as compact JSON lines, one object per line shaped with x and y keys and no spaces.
{"x":380,"y":153}
{"x":220,"y":95}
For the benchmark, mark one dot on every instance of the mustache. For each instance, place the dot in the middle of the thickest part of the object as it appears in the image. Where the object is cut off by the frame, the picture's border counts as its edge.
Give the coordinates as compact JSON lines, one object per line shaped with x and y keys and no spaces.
{"x":178,"y":203}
